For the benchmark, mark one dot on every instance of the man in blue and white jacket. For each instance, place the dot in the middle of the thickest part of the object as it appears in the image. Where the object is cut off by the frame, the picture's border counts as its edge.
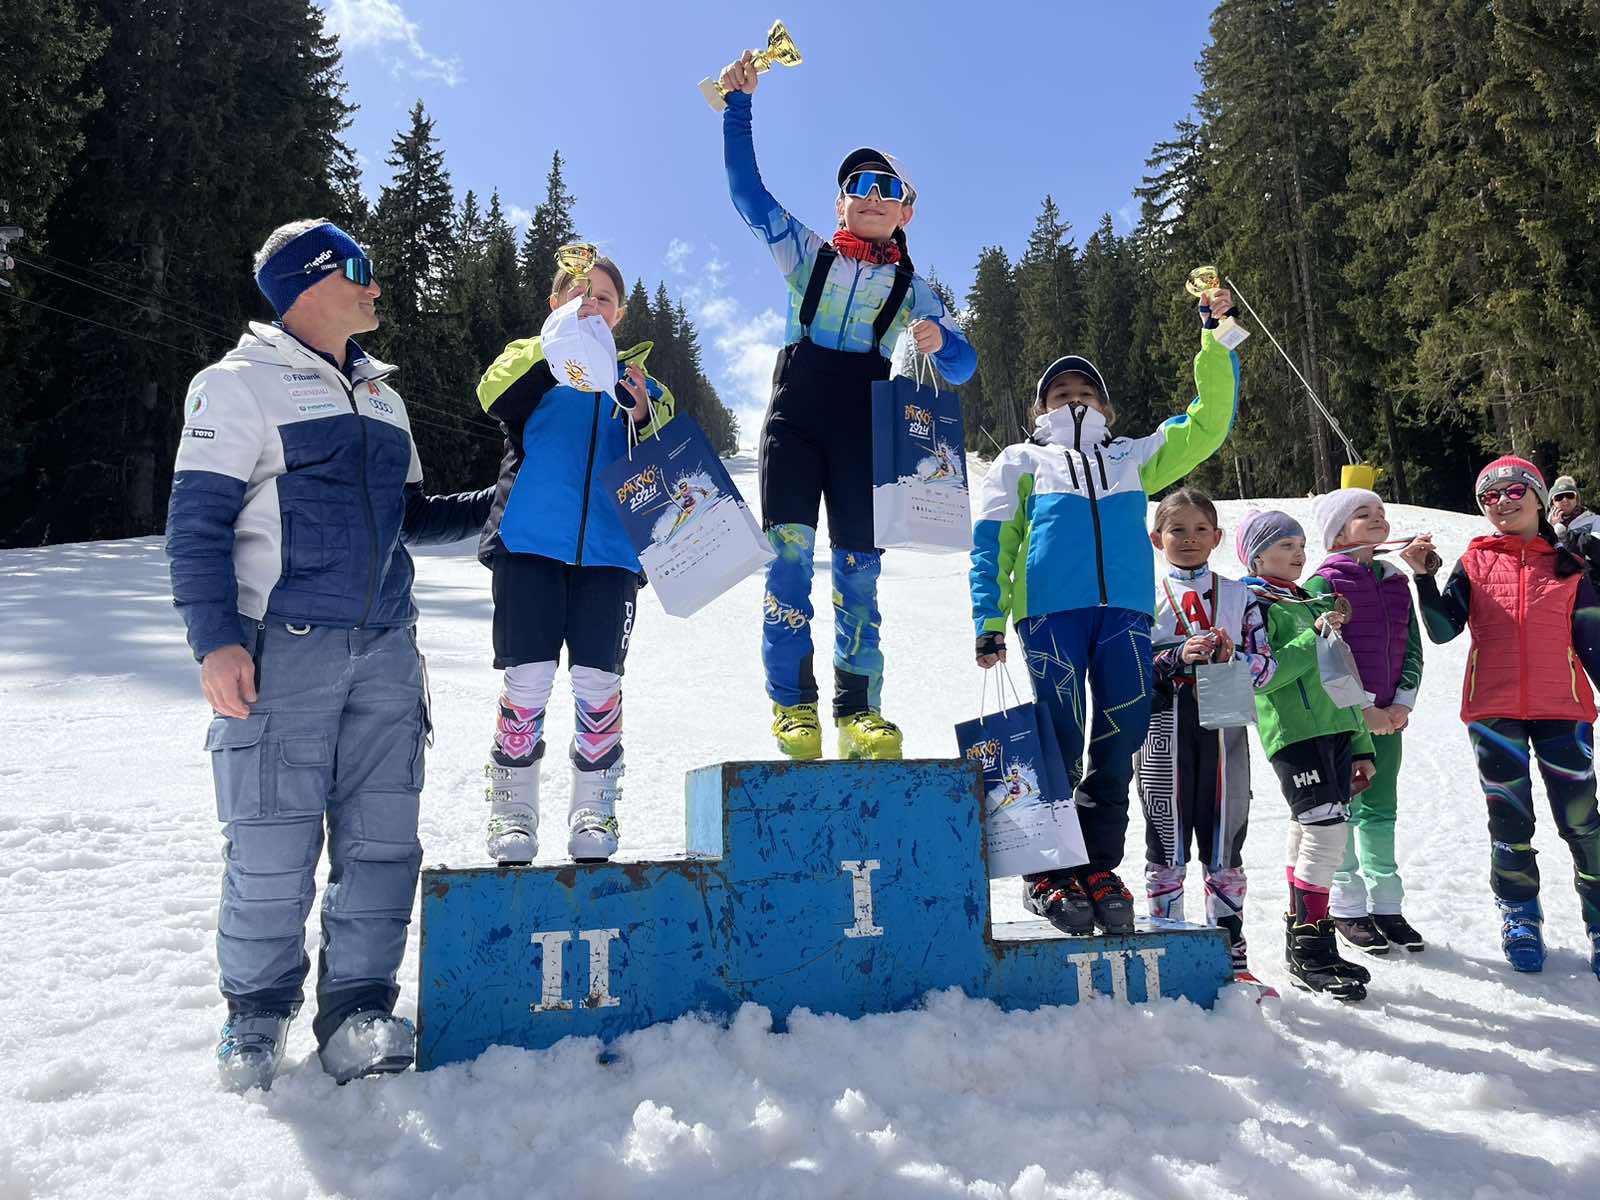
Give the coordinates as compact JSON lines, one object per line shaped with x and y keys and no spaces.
{"x":296,"y":488}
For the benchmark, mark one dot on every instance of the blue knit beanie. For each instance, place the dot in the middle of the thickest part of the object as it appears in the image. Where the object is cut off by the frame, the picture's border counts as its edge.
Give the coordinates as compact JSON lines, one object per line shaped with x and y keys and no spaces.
{"x":299,"y":264}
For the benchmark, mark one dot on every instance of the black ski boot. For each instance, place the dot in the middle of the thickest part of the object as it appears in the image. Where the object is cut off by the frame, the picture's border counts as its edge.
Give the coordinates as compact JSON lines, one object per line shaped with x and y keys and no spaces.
{"x":1112,"y":901}
{"x":1314,"y":962}
{"x":1361,"y":933}
{"x":1059,"y":898}
{"x":1399,"y":932}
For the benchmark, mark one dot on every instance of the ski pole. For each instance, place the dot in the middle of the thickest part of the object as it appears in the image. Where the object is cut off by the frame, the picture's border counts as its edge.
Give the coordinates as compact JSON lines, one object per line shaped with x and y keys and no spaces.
{"x":1355,"y":456}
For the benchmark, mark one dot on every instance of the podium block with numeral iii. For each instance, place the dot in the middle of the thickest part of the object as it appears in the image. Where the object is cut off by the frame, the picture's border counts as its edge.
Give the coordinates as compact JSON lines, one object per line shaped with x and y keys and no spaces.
{"x":843,"y":887}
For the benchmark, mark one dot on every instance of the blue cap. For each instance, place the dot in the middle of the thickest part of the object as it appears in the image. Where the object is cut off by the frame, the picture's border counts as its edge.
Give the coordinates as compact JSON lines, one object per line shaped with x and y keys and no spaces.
{"x":1071,"y":364}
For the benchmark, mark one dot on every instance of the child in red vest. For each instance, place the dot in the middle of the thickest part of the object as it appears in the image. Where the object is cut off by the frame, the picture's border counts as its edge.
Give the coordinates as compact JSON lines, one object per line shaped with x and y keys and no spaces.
{"x":1533,"y":616}
{"x":1384,"y":636}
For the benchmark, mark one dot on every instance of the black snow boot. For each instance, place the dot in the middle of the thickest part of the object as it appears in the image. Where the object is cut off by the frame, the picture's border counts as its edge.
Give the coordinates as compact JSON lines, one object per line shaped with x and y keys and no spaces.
{"x":1059,"y":898}
{"x":1361,"y":933}
{"x":1112,"y":901}
{"x":1314,"y":962}
{"x":1399,"y":932}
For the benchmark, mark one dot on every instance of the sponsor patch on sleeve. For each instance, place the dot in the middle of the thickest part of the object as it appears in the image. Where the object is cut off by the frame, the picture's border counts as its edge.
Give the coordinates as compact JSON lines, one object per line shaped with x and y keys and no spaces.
{"x":199,"y":431}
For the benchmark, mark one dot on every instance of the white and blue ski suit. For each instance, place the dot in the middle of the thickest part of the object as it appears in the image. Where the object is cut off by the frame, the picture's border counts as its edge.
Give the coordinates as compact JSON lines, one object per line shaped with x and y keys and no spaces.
{"x":296,"y":489}
{"x":1060,"y":549}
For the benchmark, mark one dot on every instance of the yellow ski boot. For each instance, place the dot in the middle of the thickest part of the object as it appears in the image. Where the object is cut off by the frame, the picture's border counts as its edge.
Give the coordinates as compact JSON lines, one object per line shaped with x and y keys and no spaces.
{"x":868,"y":735}
{"x":797,"y":730}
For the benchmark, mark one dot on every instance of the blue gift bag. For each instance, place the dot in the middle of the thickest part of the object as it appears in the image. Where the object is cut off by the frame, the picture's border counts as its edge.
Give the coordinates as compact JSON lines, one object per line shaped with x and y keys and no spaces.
{"x":919,"y":468}
{"x":692,"y":530}
{"x":1030,"y":822}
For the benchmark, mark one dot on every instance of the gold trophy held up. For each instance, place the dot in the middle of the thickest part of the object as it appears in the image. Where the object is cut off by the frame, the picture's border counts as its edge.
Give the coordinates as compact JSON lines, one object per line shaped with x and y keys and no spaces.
{"x":577,"y":260}
{"x":780,"y":50}
{"x":1201,"y":283}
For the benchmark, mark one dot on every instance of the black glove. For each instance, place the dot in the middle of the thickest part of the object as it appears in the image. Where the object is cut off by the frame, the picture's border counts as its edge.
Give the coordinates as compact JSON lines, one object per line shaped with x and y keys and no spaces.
{"x":991,"y":643}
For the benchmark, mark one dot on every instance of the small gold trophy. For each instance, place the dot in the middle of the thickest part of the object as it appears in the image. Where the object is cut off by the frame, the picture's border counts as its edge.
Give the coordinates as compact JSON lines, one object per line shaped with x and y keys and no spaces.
{"x":577,"y":260}
{"x":780,"y":50}
{"x":1202,"y":281}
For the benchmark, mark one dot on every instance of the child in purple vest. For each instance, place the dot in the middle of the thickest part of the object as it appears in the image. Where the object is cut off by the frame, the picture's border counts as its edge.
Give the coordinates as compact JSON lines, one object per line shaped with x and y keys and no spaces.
{"x":1386,"y":639}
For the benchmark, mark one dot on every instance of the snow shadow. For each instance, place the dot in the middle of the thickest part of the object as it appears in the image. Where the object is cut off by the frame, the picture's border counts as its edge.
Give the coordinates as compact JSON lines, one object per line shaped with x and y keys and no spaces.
{"x":86,"y":611}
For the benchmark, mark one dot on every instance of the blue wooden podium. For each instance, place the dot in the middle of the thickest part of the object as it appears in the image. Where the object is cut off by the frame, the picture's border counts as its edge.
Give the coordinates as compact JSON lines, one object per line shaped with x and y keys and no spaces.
{"x":843,"y":887}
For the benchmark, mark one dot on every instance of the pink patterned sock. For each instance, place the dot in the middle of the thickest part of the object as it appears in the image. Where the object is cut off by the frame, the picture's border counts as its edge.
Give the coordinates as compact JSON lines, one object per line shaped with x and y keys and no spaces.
{"x":597,"y":740}
{"x":518,"y":734}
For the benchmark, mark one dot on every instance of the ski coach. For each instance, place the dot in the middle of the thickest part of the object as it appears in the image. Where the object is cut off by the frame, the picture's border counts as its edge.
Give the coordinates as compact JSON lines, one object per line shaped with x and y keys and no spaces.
{"x":296,"y":490}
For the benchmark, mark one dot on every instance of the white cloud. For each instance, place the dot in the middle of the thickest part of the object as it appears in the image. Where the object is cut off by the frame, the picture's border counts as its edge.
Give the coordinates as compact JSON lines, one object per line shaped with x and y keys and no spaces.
{"x":677,"y":252}
{"x":1128,"y":214}
{"x":381,"y":24}
{"x":519,"y":216}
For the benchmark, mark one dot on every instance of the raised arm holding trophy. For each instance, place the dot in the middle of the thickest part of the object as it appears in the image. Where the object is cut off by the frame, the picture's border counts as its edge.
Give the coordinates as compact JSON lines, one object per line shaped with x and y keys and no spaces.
{"x":780,"y":50}
{"x":1205,"y":284}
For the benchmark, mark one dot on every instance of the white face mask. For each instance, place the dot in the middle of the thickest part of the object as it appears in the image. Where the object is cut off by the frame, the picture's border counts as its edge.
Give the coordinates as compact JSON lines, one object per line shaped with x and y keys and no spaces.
{"x":581,"y":354}
{"x":1075,"y":425}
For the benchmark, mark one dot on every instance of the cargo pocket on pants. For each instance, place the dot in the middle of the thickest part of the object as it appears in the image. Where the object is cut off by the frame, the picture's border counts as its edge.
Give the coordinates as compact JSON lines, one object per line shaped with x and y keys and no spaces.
{"x":302,"y":773}
{"x":237,"y":766}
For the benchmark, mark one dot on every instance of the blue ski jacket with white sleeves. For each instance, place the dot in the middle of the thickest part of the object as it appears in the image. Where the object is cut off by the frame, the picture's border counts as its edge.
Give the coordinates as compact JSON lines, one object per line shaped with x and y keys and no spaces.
{"x":1060,"y":527}
{"x":296,"y":488}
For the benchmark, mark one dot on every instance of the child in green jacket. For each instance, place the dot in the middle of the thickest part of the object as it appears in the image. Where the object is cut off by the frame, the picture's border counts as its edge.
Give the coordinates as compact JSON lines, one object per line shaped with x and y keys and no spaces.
{"x":1320,"y":752}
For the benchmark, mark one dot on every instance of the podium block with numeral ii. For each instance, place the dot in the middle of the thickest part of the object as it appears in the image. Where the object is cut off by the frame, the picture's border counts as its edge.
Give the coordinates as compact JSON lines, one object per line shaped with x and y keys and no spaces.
{"x":844,"y":887}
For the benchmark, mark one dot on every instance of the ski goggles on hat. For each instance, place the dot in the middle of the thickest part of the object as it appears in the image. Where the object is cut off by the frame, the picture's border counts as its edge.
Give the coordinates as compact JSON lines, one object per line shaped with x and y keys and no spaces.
{"x":1511,"y":491}
{"x":890,"y":187}
{"x":357,"y":269}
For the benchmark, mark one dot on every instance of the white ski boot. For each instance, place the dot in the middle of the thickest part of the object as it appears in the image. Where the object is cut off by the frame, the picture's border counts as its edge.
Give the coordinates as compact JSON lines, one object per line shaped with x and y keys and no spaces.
{"x":592,"y":818}
{"x":513,"y":795}
{"x":251,"y":1050}
{"x":369,"y":1043}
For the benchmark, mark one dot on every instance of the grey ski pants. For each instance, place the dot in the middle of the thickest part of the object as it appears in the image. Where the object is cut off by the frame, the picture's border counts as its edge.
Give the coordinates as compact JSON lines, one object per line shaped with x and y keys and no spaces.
{"x":335,"y":744}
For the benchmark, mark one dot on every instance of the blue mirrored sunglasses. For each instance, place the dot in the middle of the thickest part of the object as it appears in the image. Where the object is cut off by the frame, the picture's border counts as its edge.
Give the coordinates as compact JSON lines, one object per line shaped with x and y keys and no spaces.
{"x":861,"y":184}
{"x":357,"y":269}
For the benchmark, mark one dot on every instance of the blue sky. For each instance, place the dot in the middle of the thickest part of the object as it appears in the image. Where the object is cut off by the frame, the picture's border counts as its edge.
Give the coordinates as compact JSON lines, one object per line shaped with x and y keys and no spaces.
{"x":989,"y":105}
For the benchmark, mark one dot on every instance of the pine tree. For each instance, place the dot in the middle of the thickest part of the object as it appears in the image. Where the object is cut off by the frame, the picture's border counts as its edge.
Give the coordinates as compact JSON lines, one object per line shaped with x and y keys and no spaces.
{"x":413,"y":235}
{"x":1473,"y":182}
{"x":47,"y":49}
{"x":157,"y":206}
{"x":635,"y":324}
{"x":503,"y":320}
{"x":995,"y":316}
{"x":1105,"y":328}
{"x":1047,"y":280}
{"x":1272,"y":150}
{"x":414,"y":242}
{"x":551,"y":228}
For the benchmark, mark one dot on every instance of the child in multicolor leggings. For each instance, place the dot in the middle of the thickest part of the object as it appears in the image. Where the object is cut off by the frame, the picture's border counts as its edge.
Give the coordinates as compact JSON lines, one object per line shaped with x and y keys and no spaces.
{"x":565,"y":573}
{"x":1194,"y":782}
{"x":1534,"y":618}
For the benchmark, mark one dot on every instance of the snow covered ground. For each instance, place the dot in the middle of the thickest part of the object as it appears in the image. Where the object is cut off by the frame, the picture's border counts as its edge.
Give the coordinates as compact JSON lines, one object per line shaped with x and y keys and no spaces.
{"x":1455,"y":1079}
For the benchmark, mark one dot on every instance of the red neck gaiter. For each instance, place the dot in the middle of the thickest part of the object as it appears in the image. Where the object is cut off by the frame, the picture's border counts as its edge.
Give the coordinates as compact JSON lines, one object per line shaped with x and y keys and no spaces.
{"x":877,"y":253}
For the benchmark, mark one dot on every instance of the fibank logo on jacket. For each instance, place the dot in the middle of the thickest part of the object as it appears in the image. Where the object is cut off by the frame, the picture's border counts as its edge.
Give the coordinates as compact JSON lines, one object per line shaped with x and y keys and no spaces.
{"x":638,"y":490}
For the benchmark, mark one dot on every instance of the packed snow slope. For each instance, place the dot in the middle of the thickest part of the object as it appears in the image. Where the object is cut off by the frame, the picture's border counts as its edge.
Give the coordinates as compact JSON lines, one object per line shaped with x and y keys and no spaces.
{"x":1455,"y":1079}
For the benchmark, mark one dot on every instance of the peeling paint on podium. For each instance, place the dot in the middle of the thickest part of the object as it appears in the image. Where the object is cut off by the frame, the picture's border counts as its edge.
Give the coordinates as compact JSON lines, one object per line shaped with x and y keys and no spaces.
{"x":840,"y":887}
